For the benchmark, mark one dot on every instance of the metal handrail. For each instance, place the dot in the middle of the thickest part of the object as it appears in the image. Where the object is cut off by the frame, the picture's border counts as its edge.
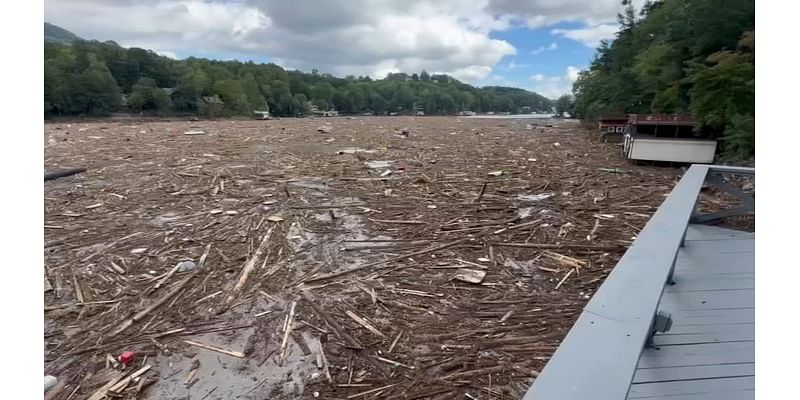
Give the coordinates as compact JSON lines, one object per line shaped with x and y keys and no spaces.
{"x":598,"y":357}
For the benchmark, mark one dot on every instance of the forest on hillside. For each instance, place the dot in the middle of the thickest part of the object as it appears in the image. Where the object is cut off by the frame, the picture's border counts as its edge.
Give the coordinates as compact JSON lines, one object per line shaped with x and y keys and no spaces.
{"x":90,"y":78}
{"x":683,"y":57}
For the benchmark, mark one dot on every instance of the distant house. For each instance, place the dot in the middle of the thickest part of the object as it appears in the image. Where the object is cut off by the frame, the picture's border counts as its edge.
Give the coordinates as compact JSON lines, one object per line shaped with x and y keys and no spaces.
{"x":330,"y":113}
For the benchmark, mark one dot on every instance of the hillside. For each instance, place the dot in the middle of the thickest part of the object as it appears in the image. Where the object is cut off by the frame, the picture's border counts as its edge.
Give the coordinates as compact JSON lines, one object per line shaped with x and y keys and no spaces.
{"x":57,"y":34}
{"x":97,"y":78}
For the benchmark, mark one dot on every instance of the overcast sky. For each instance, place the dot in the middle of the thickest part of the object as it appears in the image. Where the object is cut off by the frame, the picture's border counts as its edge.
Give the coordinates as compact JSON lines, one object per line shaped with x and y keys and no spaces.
{"x":535,"y":44}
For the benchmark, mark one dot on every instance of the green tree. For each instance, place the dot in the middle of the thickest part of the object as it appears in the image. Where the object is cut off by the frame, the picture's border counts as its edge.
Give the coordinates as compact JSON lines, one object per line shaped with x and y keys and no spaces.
{"x":192,"y":85}
{"x":231,"y":92}
{"x":147,"y":96}
{"x":564,"y":105}
{"x":94,"y":91}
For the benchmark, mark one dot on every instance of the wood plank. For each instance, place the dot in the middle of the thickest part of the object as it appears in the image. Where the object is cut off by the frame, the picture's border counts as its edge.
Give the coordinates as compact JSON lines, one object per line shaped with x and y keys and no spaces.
{"x":698,"y":354}
{"x":748,"y":394}
{"x":709,"y":328}
{"x":644,"y":375}
{"x":707,"y":247}
{"x":706,"y":232}
{"x":741,"y":298}
{"x":698,"y":338}
{"x":715,"y":316}
{"x":689,"y":284}
{"x":717,"y":264}
{"x":695,"y":387}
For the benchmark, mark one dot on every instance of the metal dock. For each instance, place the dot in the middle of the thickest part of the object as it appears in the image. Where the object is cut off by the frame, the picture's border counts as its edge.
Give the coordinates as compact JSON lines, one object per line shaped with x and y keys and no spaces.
{"x":675,"y":319}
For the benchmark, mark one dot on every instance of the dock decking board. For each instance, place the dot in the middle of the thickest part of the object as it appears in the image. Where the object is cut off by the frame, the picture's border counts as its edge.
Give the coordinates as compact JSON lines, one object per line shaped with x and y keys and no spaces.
{"x":710,"y":351}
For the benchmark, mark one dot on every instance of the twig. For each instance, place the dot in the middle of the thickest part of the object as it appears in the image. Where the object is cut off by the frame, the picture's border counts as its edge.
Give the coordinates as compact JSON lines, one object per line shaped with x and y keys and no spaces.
{"x":382,"y":388}
{"x":561,"y":282}
{"x":393,"y":259}
{"x":560,"y":246}
{"x":214,"y":348}
{"x":364,"y":323}
{"x":156,"y":304}
{"x":480,"y":194}
{"x":78,"y":291}
{"x":394,"y":342}
{"x":393,"y":362}
{"x":402,"y":222}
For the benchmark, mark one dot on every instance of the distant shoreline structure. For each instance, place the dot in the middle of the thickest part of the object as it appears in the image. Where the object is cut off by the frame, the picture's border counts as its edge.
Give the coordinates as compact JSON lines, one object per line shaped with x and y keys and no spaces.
{"x":513,"y":116}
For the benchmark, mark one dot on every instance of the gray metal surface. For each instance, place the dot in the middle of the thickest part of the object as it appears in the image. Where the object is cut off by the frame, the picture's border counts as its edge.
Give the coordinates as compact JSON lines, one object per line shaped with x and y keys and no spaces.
{"x":709,"y":351}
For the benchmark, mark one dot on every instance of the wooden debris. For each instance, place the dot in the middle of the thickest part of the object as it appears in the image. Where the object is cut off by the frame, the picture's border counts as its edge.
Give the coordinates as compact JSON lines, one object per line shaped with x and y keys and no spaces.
{"x":380,"y":389}
{"x":564,"y":279}
{"x":394,"y":342}
{"x":393,"y":362}
{"x":364,"y":323}
{"x":215,"y":348}
{"x":78,"y":291}
{"x":562,"y":246}
{"x":158,"y":303}
{"x":470,"y":275}
{"x":124,"y":383}
{"x":566,"y":260}
{"x":101,"y":393}
{"x":248,"y":268}
{"x":402,"y":222}
{"x":287,"y":331}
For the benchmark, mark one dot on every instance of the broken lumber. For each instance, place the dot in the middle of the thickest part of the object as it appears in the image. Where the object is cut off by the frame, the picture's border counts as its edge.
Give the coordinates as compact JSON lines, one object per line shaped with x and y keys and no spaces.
{"x":141,"y":314}
{"x":555,"y":246}
{"x":248,"y":268}
{"x":287,"y":331}
{"x":215,"y":348}
{"x":364,"y":323}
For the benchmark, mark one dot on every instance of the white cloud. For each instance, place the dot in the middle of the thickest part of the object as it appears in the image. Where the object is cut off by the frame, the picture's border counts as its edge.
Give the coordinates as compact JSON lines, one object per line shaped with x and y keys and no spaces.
{"x":542,"y":49}
{"x":167,"y":53}
{"x":359,"y":37}
{"x":572,"y":73}
{"x":554,"y":86}
{"x":543,"y":13}
{"x":589,"y":36}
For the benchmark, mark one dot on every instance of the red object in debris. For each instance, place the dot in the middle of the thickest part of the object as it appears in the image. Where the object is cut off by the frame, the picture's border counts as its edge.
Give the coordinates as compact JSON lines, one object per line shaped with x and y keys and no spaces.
{"x":126,"y":357}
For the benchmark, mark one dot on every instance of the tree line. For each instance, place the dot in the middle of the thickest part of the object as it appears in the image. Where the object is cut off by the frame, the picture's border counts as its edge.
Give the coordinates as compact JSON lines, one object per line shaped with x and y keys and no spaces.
{"x":93,"y":78}
{"x":679,"y":56}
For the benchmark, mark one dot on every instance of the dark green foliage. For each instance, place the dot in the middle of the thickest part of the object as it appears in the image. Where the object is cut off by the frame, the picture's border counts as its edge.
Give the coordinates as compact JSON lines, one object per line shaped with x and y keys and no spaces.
{"x":679,"y":56}
{"x":158,"y":84}
{"x":147,"y":96}
{"x":564,"y":104}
